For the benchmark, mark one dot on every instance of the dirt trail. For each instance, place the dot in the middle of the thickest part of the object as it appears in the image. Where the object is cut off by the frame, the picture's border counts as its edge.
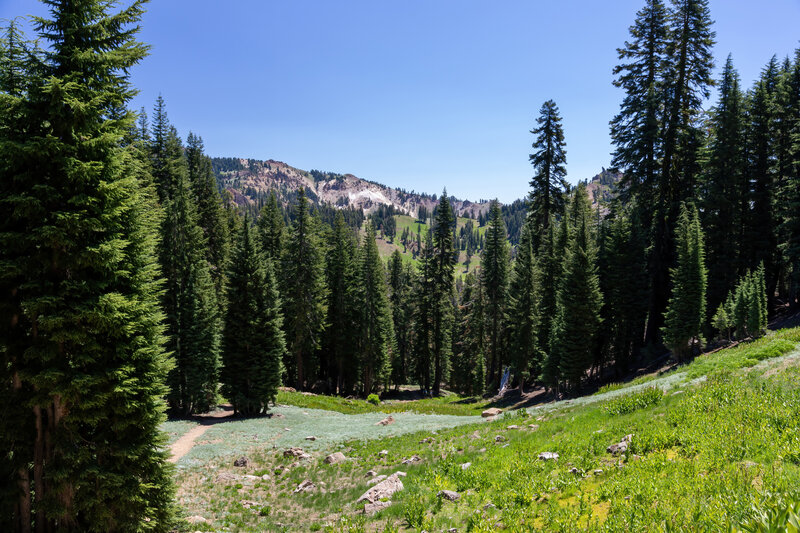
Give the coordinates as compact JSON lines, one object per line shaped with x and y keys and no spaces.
{"x":185,"y":443}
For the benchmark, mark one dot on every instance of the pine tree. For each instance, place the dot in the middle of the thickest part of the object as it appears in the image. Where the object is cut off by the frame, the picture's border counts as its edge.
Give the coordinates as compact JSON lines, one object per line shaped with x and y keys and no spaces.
{"x":624,"y":283}
{"x":304,"y":293}
{"x":523,"y":316}
{"x":443,"y":263}
{"x":687,"y":77}
{"x":549,"y":160}
{"x":636,"y":130}
{"x":211,"y":216}
{"x":190,"y":302}
{"x":553,"y":262}
{"x":271,"y":228}
{"x":579,"y":298}
{"x":725,"y":202}
{"x":159,"y":151}
{"x":494,"y":278}
{"x":342,"y":333}
{"x":254,"y":344}
{"x":423,"y":315}
{"x":375,"y":327}
{"x":760,"y":244}
{"x":686,"y":312}
{"x":400,"y":277}
{"x":82,"y":350}
{"x":470,"y":365}
{"x":791,"y":192}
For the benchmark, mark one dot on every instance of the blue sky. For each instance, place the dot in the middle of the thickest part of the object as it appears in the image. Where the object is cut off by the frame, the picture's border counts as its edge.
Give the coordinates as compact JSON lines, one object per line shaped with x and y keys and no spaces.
{"x":419,"y":94}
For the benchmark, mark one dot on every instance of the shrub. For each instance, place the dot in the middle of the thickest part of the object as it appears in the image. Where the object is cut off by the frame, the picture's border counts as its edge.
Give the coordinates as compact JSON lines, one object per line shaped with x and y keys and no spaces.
{"x":373,"y":399}
{"x":634,"y":401}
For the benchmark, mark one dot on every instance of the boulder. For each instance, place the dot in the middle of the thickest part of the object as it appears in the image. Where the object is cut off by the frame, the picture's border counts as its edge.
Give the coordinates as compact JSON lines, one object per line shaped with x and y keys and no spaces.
{"x":412,"y":459}
{"x":376,"y":479}
{"x":399,"y":473}
{"x":383,"y":453}
{"x":533,"y":427}
{"x":335,"y":458}
{"x":312,"y":438}
{"x":548,"y":456}
{"x":371,"y":473}
{"x":449,"y":495}
{"x":386,"y":421}
{"x":296,"y":452}
{"x":304,"y":486}
{"x":475,"y":435}
{"x":197,"y":519}
{"x":372,"y":508}
{"x":621,"y":446}
{"x":492,"y":411}
{"x":464,"y":466}
{"x":500,"y":438}
{"x":383,"y":490}
{"x":242,"y":461}
{"x":224,"y":477}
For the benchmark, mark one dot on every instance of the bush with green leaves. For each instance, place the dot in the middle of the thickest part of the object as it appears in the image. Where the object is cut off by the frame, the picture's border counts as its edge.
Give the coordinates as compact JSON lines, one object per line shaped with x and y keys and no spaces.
{"x":373,"y":399}
{"x":634,"y":401}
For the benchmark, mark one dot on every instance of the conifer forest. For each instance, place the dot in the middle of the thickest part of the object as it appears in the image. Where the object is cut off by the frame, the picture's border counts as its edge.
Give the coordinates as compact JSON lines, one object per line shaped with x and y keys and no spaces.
{"x":140,"y":292}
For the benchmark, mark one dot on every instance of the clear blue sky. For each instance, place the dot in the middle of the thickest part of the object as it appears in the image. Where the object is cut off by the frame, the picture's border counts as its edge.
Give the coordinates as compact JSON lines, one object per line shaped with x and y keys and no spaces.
{"x":419,"y":94}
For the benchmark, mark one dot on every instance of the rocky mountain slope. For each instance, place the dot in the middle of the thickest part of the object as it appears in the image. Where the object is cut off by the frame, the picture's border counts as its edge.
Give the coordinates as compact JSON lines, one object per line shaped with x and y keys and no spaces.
{"x":251,"y":180}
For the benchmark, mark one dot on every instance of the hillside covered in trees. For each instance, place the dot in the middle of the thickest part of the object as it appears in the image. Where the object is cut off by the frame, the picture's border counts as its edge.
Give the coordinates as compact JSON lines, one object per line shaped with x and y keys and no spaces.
{"x":140,"y":276}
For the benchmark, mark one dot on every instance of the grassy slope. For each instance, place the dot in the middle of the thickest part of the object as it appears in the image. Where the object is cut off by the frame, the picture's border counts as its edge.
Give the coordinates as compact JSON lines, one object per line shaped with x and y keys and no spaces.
{"x":703,"y":456}
{"x":386,"y":248}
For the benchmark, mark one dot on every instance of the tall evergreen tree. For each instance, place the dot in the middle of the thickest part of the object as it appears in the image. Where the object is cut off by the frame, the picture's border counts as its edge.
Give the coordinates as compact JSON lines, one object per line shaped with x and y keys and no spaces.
{"x":342,"y":333}
{"x":494,"y":277}
{"x":211,"y":215}
{"x":687,"y":78}
{"x":81,"y":351}
{"x":686,"y":312}
{"x":254,"y":344}
{"x":423,"y":296}
{"x":725,"y":202}
{"x":375,"y":327}
{"x":553,"y":262}
{"x":623,"y":280}
{"x":160,"y":154}
{"x":400,"y":277}
{"x":304,"y":293}
{"x":443,"y":264}
{"x":271,"y":228}
{"x":579,"y":298}
{"x":470,"y":364}
{"x":791,"y":193}
{"x":549,"y":161}
{"x":523,"y":316}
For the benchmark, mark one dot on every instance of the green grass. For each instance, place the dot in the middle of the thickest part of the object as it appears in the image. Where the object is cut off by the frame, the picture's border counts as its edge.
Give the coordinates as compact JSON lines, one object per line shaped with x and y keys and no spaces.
{"x":746,"y":354}
{"x":717,"y":454}
{"x":449,"y":404}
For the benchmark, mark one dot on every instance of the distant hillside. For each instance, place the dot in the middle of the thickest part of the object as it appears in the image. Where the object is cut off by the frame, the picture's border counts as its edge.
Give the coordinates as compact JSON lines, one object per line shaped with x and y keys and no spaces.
{"x":603,"y":188}
{"x":251,"y":180}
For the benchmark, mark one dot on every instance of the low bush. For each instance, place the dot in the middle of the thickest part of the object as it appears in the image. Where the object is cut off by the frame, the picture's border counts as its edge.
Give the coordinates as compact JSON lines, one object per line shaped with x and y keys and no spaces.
{"x":634,"y":401}
{"x":373,"y":399}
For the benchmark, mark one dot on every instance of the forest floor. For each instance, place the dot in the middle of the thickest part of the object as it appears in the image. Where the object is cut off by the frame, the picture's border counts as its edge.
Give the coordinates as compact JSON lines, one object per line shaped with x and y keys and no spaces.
{"x":714,"y":444}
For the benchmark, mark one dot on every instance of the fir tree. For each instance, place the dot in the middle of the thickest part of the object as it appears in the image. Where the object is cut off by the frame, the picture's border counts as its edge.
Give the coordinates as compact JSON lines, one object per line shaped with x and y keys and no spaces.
{"x":470,"y":368}
{"x":579,"y":298}
{"x":523,"y":317}
{"x":725,"y":202}
{"x":400,"y":277}
{"x":341,"y":334}
{"x":82,"y":349}
{"x":494,"y":278}
{"x":376,"y":331}
{"x":686,"y":312}
{"x":549,"y":163}
{"x":687,"y":77}
{"x":423,"y":315}
{"x":253,"y":342}
{"x":190,"y":302}
{"x":304,"y":293}
{"x":553,"y":261}
{"x":636,"y":130}
{"x":271,"y":228}
{"x":443,"y":263}
{"x":211,"y":215}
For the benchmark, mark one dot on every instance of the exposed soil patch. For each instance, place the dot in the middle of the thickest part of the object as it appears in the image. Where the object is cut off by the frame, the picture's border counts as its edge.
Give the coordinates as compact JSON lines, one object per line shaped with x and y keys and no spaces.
{"x":184,"y":444}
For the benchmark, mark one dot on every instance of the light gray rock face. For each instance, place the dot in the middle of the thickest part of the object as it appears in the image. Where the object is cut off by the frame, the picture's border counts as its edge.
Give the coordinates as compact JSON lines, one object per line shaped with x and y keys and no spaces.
{"x":372,"y":508}
{"x":548,"y":456}
{"x":335,"y":458}
{"x":492,"y":411}
{"x":449,"y":495}
{"x":383,"y":490}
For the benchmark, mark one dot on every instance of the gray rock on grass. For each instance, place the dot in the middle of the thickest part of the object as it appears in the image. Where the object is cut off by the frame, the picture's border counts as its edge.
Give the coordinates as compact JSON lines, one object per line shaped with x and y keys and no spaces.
{"x":383,"y":490}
